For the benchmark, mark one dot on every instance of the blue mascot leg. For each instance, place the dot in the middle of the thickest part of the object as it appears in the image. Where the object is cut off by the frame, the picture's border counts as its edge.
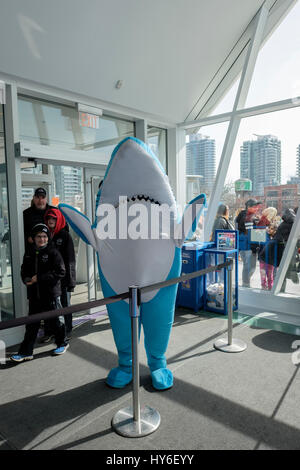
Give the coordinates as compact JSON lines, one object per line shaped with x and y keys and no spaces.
{"x":120,"y":322}
{"x":157,"y":318}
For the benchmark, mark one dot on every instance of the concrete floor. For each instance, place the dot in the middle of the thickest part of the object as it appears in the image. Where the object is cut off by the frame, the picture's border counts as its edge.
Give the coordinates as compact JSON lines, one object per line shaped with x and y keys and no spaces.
{"x":248,"y":400}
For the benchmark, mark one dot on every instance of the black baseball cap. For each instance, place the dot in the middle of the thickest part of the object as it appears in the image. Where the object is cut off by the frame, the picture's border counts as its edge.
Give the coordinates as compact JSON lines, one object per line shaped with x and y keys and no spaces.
{"x":40,"y":192}
{"x":252,"y":203}
{"x":38,"y":228}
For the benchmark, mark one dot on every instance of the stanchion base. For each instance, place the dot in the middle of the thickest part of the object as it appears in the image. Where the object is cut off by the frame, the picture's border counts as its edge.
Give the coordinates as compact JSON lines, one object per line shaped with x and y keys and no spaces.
{"x":124,"y":424}
{"x":236,"y":346}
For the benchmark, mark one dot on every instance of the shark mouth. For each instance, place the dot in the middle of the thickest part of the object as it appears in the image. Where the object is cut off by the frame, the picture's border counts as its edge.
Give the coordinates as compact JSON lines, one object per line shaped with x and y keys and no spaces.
{"x":137,"y":198}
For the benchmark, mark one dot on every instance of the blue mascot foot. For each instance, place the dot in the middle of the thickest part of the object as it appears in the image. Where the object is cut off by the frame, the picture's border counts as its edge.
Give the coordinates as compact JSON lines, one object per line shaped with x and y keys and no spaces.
{"x":162,"y":379}
{"x":117,"y":378}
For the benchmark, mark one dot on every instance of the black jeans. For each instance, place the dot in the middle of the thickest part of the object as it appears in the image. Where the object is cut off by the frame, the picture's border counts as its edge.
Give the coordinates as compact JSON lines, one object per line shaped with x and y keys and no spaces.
{"x":65,"y":300}
{"x":37,"y":306}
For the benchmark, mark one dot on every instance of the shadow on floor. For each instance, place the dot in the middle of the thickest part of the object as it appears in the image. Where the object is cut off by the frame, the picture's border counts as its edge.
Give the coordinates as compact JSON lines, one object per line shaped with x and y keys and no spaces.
{"x":269,"y":340}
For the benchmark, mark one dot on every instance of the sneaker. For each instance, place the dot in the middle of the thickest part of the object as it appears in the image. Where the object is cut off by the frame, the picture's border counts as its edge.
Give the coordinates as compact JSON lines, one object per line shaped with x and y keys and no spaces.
{"x":60,"y":350}
{"x":20,"y":358}
{"x":47,"y":338}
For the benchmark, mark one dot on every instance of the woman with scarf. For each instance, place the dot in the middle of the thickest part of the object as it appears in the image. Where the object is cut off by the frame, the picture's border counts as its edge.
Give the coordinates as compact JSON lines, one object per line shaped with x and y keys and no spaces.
{"x":62,"y":240}
{"x":266,"y":269}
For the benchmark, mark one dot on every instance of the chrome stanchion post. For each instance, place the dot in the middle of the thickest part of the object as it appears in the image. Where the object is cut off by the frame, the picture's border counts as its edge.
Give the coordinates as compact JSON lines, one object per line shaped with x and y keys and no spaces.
{"x":135,"y":421}
{"x":230,"y":344}
{"x":134,"y":314}
{"x":230,"y":304}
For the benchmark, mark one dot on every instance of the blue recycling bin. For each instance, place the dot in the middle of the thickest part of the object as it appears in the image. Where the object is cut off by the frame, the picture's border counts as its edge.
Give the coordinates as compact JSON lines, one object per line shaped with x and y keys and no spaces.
{"x":191,"y":292}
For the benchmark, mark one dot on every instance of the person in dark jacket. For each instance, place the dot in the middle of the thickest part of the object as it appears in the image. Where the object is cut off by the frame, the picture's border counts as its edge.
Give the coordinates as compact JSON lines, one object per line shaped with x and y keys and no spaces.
{"x":41,"y":271}
{"x":63,"y":242}
{"x":281,"y":236}
{"x":246,"y":219}
{"x":274,"y":250}
{"x":284,"y":229}
{"x":35,"y":214}
{"x":222,"y":220}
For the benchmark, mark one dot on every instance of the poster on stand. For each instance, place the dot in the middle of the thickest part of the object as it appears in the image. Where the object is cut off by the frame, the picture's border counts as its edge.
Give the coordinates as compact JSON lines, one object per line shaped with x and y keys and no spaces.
{"x":226,"y":240}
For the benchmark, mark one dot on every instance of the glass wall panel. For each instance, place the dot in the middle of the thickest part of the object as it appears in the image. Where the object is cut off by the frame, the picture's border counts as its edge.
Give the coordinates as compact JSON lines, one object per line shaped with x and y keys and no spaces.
{"x":6,"y":295}
{"x":277,"y":72}
{"x":157,"y":141}
{"x":264,"y":167}
{"x":203,"y":153}
{"x":227,"y":102}
{"x":64,"y":128}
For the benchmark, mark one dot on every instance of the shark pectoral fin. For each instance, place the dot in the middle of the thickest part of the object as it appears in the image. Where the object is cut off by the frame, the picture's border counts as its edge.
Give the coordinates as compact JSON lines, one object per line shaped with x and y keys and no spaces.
{"x":190,"y":220}
{"x":79,"y":223}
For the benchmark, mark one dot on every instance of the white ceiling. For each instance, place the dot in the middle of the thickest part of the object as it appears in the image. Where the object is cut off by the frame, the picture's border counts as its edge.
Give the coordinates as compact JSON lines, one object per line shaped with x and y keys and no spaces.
{"x":165,"y":51}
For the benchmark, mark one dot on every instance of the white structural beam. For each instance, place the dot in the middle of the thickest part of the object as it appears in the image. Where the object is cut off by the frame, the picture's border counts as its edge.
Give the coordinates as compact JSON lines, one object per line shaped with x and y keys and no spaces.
{"x":234,"y":124}
{"x":141,"y":130}
{"x":273,"y":107}
{"x":177,"y":163}
{"x":287,"y":255}
{"x":14,"y":190}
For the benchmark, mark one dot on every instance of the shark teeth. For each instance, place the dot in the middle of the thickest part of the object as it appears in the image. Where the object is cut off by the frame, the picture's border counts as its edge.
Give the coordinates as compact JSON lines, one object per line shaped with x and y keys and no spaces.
{"x":138,"y":198}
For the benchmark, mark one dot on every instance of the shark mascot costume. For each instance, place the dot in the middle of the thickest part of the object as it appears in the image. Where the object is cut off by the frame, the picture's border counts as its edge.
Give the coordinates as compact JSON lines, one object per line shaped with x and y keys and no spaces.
{"x":135,"y":182}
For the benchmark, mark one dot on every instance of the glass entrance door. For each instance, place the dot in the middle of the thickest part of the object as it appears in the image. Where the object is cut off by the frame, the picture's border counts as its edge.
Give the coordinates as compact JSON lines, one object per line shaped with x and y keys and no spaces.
{"x":62,"y":184}
{"x":93,"y":178}
{"x":77,"y":187}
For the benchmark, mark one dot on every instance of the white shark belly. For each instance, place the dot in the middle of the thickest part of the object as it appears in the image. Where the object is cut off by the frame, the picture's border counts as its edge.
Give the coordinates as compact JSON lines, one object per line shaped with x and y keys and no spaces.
{"x":129,"y":262}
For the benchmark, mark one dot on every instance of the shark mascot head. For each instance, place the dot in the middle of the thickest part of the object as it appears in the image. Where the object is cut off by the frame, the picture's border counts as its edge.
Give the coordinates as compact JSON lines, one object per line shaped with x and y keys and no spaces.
{"x":138,"y":235}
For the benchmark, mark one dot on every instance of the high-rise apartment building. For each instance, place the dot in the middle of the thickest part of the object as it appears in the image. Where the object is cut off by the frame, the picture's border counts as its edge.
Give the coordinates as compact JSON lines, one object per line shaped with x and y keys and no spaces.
{"x":201,"y":160}
{"x":298,"y":161}
{"x":67,"y":183}
{"x":260,"y":161}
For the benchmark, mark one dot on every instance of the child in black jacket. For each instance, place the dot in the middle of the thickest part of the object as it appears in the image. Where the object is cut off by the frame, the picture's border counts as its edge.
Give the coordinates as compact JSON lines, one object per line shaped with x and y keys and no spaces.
{"x":62,"y":240}
{"x":41,"y":271}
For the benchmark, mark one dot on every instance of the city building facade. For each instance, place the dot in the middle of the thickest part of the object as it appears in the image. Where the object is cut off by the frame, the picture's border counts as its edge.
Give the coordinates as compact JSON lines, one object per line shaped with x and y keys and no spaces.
{"x":260,"y":161}
{"x":201,"y":160}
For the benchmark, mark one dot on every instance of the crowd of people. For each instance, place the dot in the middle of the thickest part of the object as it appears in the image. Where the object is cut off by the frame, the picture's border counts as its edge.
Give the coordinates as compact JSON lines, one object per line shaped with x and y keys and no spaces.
{"x":49,"y":273}
{"x":269,"y":253}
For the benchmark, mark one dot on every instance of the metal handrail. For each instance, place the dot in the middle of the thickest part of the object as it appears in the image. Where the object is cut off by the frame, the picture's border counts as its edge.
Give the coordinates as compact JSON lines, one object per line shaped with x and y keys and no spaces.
{"x":4,"y":325}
